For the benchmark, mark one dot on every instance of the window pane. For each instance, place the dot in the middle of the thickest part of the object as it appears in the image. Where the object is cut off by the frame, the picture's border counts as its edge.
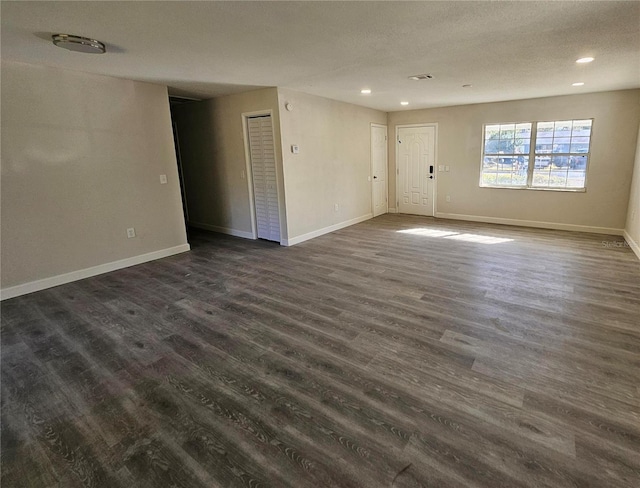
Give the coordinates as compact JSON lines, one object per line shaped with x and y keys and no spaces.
{"x":582,"y":127}
{"x":492,"y":132}
{"x":489,"y":168}
{"x":489,"y":163}
{"x":562,"y":140}
{"x":489,"y":179}
{"x":576,"y":178}
{"x":580,"y":144}
{"x":541,"y":178}
{"x":579,"y":147}
{"x":560,"y":161}
{"x":557,"y":178}
{"x":578,"y":162}
{"x":563,"y":128}
{"x":545,"y":130}
{"x":544,"y":145}
{"x":507,"y":131}
{"x":519,"y":173}
{"x":542,"y":162}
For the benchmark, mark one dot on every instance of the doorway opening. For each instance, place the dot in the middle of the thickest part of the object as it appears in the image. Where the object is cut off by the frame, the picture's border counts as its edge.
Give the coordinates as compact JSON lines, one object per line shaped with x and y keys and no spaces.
{"x":173,"y":101}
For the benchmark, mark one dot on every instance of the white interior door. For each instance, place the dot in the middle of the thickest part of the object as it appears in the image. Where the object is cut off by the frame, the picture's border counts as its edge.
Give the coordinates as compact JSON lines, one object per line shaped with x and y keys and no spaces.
{"x":263,"y":172}
{"x":379,"y":169}
{"x":416,"y":170}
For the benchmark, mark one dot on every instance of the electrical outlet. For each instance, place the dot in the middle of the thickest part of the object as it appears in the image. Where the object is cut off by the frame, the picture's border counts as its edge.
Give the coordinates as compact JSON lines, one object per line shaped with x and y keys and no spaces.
{"x":163,"y":179}
{"x":448,"y":198}
{"x":131,"y":232}
{"x":336,"y":207}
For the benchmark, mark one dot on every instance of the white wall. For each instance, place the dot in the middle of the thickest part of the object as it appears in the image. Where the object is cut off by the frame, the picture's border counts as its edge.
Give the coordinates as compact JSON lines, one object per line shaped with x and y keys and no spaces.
{"x":333,"y":164}
{"x":81,"y":159}
{"x":603,"y":207}
{"x":632,"y":228}
{"x":214,"y":162}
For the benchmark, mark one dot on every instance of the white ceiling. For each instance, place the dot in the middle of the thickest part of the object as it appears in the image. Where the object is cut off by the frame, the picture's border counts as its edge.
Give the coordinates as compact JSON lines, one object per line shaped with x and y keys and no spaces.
{"x":506,"y":50}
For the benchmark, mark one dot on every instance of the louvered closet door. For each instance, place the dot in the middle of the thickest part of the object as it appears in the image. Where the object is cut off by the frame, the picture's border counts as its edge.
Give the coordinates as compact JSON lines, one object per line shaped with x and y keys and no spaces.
{"x":263,"y":168}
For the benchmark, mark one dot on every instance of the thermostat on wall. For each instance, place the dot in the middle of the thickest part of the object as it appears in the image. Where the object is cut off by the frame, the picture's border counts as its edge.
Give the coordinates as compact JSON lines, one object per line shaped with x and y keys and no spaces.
{"x":295,"y":149}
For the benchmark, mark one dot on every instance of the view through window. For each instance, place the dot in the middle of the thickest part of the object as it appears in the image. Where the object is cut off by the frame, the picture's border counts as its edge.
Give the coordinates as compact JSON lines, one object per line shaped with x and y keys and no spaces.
{"x":560,"y":154}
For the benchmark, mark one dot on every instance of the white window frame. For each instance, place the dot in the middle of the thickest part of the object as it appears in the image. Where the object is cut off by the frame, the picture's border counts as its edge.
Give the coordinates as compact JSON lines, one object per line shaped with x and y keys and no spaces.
{"x":532,"y":158}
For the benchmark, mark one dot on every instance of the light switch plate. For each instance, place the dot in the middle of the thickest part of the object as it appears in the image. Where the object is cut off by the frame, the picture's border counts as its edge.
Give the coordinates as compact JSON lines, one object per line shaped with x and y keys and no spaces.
{"x":295,"y":149}
{"x":163,"y":179}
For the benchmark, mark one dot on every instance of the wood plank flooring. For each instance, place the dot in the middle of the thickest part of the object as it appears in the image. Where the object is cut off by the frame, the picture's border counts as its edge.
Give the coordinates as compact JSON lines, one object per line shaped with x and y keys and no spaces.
{"x":400,"y":352}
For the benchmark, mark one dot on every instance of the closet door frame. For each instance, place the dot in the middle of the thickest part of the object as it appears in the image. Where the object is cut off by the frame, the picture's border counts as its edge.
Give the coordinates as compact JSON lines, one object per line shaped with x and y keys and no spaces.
{"x":249,"y":172}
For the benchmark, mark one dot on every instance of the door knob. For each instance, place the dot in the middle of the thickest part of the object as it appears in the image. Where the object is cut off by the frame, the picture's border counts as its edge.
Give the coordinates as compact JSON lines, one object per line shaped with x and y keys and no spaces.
{"x":430,"y":177}
{"x":375,"y":177}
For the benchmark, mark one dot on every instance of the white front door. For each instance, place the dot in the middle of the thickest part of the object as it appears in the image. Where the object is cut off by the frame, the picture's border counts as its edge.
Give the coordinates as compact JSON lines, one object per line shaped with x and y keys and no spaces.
{"x":379,"y":169}
{"x":263,"y":172}
{"x":416,"y":170}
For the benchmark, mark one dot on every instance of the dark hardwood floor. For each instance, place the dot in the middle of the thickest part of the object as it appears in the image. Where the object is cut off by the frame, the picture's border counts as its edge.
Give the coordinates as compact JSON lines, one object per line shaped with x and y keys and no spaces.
{"x":399,"y":352}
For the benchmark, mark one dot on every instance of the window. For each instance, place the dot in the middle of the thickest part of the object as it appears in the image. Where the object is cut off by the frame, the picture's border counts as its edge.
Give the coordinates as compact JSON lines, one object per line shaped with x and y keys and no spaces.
{"x":560,"y":155}
{"x":506,"y":154}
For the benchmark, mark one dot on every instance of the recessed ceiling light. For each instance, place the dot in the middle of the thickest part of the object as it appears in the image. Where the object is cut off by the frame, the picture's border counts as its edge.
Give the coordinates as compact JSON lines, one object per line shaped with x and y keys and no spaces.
{"x":579,"y":83}
{"x":420,"y":77}
{"x":404,"y":103}
{"x":78,"y":44}
{"x":584,"y":60}
{"x":467,"y":86}
{"x":366,"y":91}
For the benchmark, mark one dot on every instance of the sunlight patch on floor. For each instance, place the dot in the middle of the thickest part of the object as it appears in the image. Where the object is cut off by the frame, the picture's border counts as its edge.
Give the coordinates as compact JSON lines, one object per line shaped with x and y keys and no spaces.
{"x":445,"y":234}
{"x":428,"y":232}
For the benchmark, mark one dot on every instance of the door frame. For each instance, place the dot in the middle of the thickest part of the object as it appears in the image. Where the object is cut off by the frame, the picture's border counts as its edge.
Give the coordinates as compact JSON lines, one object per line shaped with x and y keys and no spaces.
{"x":249,"y":173}
{"x":435,"y":163}
{"x":386,"y":165}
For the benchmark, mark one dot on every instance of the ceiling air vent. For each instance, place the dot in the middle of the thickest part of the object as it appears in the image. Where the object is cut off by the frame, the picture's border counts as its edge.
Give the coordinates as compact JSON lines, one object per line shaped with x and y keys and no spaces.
{"x":420,"y":77}
{"x":176,"y":100}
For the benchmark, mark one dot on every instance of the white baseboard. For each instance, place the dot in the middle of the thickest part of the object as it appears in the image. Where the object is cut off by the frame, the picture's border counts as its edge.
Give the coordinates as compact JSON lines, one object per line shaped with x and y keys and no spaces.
{"x":23,"y":289}
{"x":316,"y":233}
{"x":632,"y":244}
{"x":531,"y":223}
{"x":222,"y":230}
{"x":392,"y":210}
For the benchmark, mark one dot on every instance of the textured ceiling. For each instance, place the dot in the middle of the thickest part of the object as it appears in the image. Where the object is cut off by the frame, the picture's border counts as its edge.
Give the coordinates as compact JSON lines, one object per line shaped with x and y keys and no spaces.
{"x":506,"y":50}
